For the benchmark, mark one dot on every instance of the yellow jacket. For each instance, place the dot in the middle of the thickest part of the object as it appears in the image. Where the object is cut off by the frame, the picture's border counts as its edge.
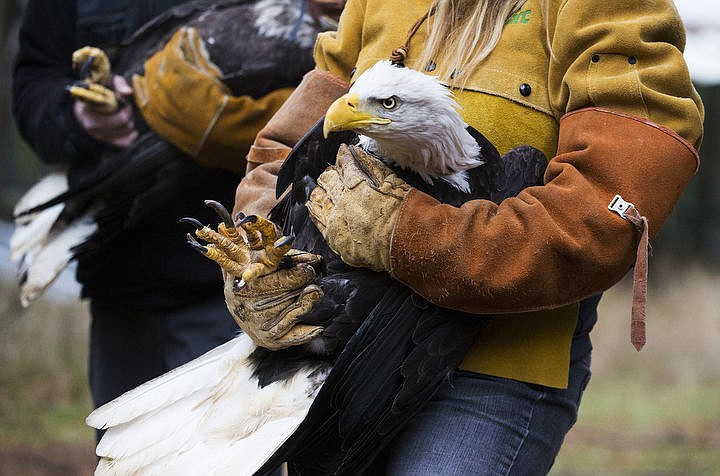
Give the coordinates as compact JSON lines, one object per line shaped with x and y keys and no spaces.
{"x":610,"y":54}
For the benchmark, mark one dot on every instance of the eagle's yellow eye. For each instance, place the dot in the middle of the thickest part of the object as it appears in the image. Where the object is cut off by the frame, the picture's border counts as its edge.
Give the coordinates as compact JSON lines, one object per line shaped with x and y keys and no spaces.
{"x":389,"y":103}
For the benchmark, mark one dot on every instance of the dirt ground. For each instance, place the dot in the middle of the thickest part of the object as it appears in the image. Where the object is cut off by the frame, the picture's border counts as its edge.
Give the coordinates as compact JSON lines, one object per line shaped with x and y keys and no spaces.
{"x":54,"y":459}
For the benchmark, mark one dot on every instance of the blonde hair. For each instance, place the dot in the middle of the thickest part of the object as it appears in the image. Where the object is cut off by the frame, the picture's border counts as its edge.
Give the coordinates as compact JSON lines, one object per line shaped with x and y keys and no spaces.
{"x":461,"y":34}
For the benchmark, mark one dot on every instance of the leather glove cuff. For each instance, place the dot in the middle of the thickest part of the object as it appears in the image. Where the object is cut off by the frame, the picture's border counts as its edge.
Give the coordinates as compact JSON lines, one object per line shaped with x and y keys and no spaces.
{"x":555,"y":244}
{"x":297,"y":115}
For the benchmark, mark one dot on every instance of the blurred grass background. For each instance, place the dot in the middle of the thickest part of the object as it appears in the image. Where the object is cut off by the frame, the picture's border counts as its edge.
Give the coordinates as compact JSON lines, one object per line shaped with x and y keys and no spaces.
{"x":656,"y":412}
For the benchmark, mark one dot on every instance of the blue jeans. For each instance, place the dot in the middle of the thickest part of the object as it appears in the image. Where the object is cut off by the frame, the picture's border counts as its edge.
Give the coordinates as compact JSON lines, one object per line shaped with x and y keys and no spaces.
{"x":482,"y":425}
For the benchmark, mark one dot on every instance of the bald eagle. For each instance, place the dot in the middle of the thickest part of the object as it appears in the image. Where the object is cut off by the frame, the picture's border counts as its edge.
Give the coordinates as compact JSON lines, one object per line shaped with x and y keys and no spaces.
{"x":332,"y":405}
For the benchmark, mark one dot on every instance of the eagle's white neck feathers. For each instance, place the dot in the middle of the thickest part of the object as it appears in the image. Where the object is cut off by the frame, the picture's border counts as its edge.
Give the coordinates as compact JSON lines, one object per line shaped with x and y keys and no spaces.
{"x":427,"y":134}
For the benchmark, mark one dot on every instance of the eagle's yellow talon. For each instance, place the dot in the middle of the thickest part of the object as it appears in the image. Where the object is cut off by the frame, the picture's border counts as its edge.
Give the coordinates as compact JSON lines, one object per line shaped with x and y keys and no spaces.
{"x":236,"y":250}
{"x":226,"y":263}
{"x":92,"y":64}
{"x":231,"y":233}
{"x":260,"y":232}
{"x":93,"y":67}
{"x":247,"y":255}
{"x":256,"y":270}
{"x":99,"y":96}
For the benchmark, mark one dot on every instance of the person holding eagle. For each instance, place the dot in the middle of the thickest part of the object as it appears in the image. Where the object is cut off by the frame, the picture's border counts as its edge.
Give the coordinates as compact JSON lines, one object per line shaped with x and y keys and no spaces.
{"x":140,"y":157}
{"x":602,"y":89}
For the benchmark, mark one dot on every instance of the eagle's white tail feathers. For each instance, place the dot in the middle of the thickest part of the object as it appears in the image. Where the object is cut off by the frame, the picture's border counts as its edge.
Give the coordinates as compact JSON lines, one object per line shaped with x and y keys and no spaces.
{"x":39,"y":243}
{"x":32,"y":231}
{"x":46,"y":189}
{"x":206,"y":417}
{"x":44,"y":263}
{"x":174,"y":385}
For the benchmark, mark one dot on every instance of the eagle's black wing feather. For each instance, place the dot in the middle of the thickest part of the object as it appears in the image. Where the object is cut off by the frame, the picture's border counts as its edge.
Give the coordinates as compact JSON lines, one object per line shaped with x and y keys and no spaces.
{"x":523,"y":167}
{"x":404,"y":347}
{"x":310,"y":157}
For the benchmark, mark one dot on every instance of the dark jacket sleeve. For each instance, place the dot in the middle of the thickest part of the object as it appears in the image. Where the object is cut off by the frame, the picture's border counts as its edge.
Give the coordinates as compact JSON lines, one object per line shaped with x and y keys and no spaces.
{"x":41,"y":106}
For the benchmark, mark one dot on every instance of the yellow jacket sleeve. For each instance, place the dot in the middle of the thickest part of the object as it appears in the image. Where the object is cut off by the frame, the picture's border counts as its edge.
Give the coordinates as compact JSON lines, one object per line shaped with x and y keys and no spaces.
{"x":623,"y":56}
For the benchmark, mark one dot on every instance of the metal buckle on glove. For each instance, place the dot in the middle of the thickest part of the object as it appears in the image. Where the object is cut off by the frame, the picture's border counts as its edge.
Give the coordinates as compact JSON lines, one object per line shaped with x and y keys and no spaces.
{"x":619,"y":206}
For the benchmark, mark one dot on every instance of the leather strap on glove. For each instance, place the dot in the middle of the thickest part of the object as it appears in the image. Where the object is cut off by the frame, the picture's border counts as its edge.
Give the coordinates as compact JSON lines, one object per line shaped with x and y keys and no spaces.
{"x":355,"y":206}
{"x":308,"y":103}
{"x":183,"y":99}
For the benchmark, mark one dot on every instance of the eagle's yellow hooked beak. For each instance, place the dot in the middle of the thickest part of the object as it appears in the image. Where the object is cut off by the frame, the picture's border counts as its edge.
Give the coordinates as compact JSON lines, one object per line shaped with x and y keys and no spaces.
{"x":344,"y":114}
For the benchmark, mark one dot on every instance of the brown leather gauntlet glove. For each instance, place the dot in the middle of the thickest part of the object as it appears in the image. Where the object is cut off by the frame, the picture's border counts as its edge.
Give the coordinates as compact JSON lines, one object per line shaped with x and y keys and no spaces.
{"x":554,"y":244}
{"x":307,"y":104}
{"x":183,"y":99}
{"x":549,"y":246}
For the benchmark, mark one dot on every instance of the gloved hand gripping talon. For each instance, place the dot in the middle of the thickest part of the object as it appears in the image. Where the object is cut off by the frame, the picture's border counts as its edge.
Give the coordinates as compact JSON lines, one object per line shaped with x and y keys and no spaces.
{"x":265,"y":299}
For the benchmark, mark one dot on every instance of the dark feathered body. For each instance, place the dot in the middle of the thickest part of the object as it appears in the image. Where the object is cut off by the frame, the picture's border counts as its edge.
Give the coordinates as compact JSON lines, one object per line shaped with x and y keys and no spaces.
{"x":260,"y":45}
{"x":396,"y":348}
{"x":139,"y":181}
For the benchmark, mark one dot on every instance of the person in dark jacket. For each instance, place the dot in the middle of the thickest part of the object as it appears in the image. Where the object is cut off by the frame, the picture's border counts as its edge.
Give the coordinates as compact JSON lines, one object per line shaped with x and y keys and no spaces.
{"x":155,"y":303}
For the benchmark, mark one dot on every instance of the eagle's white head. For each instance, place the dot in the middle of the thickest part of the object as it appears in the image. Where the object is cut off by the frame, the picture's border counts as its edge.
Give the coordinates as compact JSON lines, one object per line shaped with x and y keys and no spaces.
{"x":410,"y":119}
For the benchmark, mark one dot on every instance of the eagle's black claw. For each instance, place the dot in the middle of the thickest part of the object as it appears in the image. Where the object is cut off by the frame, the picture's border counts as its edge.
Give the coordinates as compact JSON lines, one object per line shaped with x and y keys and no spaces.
{"x":198,"y":247}
{"x":284,"y":241}
{"x":248,"y":219}
{"x":222,"y":212}
{"x":238,"y":216}
{"x":193,"y":222}
{"x":86,"y":67}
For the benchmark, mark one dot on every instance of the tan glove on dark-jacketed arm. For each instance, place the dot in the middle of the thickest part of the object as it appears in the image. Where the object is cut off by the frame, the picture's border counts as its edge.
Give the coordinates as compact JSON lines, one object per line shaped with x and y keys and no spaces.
{"x":183,"y":99}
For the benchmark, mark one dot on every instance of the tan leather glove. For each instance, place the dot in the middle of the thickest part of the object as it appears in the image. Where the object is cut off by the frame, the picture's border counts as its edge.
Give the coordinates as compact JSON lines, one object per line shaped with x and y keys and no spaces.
{"x":269,"y":307}
{"x":355,"y":206}
{"x":268,"y":285}
{"x":183,"y":99}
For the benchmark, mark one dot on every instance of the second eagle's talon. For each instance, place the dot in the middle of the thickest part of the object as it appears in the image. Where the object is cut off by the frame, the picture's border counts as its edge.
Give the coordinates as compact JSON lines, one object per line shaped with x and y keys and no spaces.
{"x":84,"y":68}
